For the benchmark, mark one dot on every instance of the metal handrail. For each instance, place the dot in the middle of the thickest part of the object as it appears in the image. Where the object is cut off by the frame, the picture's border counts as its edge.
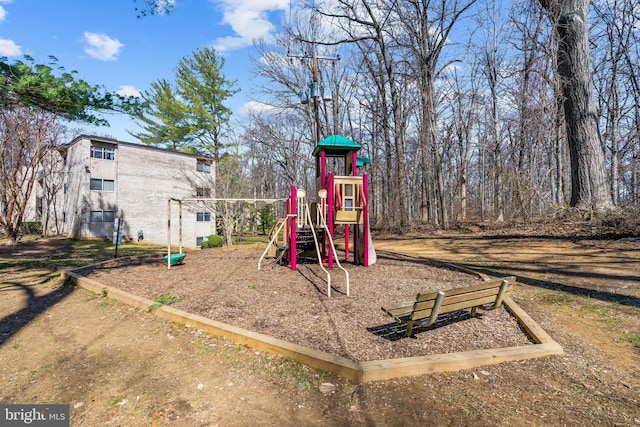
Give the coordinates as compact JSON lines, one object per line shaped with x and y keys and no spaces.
{"x":273,"y":239}
{"x":335,"y":254}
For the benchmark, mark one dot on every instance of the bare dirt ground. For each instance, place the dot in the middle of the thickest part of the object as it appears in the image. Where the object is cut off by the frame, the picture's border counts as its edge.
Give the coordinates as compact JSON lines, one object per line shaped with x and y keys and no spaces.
{"x":119,"y":366}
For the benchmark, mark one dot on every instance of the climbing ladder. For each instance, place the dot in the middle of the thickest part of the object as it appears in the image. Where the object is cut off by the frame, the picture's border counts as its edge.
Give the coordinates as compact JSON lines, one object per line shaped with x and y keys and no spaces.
{"x":305,"y":234}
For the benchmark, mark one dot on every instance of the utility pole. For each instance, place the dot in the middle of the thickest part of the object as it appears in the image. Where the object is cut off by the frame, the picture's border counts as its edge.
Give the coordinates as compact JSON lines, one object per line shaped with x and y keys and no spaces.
{"x":314,"y":89}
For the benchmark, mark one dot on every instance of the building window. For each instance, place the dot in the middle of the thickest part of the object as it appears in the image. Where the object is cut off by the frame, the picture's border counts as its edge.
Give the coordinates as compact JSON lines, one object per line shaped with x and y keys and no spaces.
{"x":199,"y":240}
{"x":101,"y":216}
{"x":203,"y":216}
{"x":106,"y":153}
{"x":98,"y":184}
{"x":108,"y":216}
{"x":203,"y":166}
{"x":203,"y":192}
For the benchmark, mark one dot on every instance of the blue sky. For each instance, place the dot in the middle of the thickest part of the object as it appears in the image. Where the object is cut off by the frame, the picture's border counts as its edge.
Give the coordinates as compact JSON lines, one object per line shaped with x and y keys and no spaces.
{"x":108,"y":46}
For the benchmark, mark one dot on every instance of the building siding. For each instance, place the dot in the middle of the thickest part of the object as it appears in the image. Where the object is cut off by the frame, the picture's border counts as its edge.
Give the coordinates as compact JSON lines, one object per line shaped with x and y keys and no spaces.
{"x":145,"y":178}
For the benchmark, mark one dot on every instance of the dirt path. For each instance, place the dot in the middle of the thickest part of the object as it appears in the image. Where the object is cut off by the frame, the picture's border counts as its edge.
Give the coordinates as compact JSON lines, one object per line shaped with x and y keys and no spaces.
{"x":119,"y":366}
{"x":593,"y":285}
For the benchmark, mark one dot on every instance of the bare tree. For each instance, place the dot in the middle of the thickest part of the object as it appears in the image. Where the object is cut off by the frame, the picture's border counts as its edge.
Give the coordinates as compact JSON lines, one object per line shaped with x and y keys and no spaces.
{"x":374,"y":104}
{"x":590,"y":189}
{"x":370,"y":22}
{"x":51,"y":182}
{"x":428,"y":25}
{"x":532,"y":164}
{"x":276,"y":139}
{"x":615,"y":77}
{"x":25,"y":134}
{"x":463,"y":104}
{"x":492,"y":63}
{"x":232,"y":182}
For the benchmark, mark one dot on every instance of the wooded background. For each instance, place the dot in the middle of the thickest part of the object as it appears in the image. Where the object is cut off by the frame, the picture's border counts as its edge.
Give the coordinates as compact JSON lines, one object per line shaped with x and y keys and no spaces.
{"x":469,"y":110}
{"x":460,"y":105}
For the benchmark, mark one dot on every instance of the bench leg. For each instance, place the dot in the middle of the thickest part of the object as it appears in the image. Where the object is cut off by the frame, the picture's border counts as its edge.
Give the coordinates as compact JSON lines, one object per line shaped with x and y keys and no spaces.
{"x":500,"y":297}
{"x":409,"y":328}
{"x":432,"y":318}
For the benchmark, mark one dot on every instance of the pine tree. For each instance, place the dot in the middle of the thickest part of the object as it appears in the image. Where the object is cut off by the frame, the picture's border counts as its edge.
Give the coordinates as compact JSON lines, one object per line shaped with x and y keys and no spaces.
{"x":191,"y":114}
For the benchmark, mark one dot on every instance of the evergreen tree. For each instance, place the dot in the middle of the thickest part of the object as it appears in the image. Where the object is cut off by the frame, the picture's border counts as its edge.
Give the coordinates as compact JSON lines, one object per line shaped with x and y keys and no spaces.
{"x":164,"y":117}
{"x":190,"y":115}
{"x":204,"y":88}
{"x":54,"y":90}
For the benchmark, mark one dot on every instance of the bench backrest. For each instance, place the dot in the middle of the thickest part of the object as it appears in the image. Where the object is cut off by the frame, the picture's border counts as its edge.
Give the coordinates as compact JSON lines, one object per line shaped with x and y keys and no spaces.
{"x":460,"y":298}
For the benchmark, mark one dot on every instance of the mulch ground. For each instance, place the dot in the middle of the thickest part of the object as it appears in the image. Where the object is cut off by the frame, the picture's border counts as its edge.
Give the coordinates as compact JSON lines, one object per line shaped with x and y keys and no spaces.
{"x":226,"y":286}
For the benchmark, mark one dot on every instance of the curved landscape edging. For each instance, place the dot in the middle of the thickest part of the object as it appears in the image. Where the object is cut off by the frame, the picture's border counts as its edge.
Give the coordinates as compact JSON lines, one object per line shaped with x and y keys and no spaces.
{"x":354,"y":371}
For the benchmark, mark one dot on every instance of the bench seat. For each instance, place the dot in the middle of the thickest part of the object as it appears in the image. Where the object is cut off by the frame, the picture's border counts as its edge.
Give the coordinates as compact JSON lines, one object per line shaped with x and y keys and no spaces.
{"x":428,"y":306}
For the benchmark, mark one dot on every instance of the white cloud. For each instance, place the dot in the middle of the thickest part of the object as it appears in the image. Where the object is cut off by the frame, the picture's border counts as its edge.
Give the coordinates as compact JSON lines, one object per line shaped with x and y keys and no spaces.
{"x":3,"y":11}
{"x":255,"y":108}
{"x":9,"y":48}
{"x":248,"y":19}
{"x":126,"y":90}
{"x":101,"y":46}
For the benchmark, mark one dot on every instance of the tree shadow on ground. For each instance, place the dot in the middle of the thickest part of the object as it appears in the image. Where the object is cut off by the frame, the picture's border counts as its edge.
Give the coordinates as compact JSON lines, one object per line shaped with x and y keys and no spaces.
{"x":522,"y":269}
{"x":36,"y":262}
{"x":117,"y":263}
{"x":606,"y":296}
{"x":36,"y":305}
{"x":569,"y":237}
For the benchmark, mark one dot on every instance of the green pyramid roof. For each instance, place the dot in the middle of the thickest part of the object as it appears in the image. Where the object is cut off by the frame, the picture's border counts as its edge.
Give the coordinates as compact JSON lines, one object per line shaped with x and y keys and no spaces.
{"x":336,"y":145}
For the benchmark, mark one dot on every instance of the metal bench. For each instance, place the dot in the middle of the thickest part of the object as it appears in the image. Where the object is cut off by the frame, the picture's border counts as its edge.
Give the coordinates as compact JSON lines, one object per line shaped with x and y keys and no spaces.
{"x":428,"y":306}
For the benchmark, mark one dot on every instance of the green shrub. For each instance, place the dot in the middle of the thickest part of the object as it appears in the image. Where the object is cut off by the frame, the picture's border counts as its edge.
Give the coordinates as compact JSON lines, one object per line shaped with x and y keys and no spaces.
{"x":204,"y":244}
{"x":215,"y":241}
{"x":31,"y":227}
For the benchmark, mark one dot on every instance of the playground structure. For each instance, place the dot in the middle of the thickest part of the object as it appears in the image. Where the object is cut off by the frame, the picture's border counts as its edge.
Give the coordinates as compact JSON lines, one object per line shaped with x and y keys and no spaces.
{"x":356,"y":369}
{"x":309,"y":230}
{"x":343,"y":200}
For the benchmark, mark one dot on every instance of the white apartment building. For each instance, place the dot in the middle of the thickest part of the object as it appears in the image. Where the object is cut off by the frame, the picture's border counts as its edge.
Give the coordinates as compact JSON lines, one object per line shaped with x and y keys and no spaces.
{"x":105,"y":179}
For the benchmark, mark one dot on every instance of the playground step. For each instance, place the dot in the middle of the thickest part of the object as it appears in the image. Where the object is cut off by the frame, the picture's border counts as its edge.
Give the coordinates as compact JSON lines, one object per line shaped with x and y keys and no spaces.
{"x":304,"y":236}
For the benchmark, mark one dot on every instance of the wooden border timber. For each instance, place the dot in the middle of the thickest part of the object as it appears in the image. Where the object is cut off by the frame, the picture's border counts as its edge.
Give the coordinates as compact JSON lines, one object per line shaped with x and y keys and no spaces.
{"x":411,"y":366}
{"x":317,"y":359}
{"x":354,"y":371}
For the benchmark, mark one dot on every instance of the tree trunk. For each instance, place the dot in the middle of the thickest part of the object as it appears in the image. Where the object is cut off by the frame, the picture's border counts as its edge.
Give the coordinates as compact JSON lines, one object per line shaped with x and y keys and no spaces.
{"x":590,"y":189}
